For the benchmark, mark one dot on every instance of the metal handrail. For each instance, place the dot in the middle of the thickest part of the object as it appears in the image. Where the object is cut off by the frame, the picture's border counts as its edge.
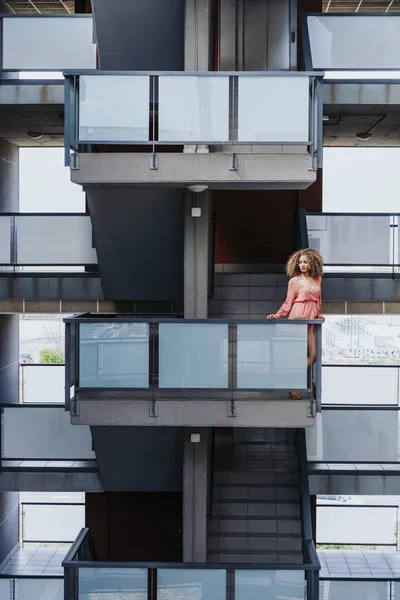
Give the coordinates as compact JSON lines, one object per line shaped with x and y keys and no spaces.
{"x":305,"y":500}
{"x":99,"y":318}
{"x":84,"y":536}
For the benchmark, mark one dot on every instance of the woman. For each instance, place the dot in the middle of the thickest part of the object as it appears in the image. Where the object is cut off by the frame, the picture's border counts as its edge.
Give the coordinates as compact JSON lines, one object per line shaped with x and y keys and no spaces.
{"x":305,"y":267}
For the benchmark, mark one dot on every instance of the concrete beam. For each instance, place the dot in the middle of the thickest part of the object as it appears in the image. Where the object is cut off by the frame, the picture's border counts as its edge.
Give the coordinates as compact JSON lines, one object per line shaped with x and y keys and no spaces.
{"x":36,"y":93}
{"x":182,"y":169}
{"x":362,"y":93}
{"x":356,"y":483}
{"x":15,"y":481}
{"x":38,"y":288}
{"x":193,"y":413}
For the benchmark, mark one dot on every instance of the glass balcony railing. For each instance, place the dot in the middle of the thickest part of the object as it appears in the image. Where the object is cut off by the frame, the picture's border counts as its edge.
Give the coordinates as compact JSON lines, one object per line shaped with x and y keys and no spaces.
{"x":343,"y":42}
{"x":47,"y":42}
{"x":122,"y":353}
{"x":359,"y":589}
{"x":38,"y":240}
{"x":355,"y":242}
{"x":40,"y":432}
{"x":31,"y":588}
{"x":212,"y":108}
{"x":87,"y":578}
{"x":42,"y":384}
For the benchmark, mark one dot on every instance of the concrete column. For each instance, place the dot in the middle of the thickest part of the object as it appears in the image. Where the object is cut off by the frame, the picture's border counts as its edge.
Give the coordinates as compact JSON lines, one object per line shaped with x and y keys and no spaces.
{"x":195,"y":496}
{"x":197,"y":35}
{"x":9,"y":348}
{"x":196,"y":255}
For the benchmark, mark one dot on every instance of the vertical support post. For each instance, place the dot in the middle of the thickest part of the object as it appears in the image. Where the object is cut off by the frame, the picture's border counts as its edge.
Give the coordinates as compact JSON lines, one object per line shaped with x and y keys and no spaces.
{"x":197,"y":35}
{"x":318,"y":368}
{"x":195,"y":496}
{"x":196,"y":255}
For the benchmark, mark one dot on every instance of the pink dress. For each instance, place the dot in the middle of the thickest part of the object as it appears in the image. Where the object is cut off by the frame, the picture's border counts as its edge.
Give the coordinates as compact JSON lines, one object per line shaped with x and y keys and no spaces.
{"x":301,"y":301}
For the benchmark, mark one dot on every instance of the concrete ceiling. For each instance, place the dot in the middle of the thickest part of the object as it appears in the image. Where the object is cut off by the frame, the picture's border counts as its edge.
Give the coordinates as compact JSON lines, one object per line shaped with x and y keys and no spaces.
{"x":361,"y":6}
{"x":43,"y":7}
{"x":345,"y":122}
{"x":44,"y":123}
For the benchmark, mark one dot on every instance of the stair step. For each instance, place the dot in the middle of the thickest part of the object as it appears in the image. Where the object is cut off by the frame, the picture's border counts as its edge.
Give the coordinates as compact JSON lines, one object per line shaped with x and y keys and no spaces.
{"x":261,"y":486}
{"x":273,"y":526}
{"x":292,"y":501}
{"x":243,"y":493}
{"x":259,"y":518}
{"x":273,"y":552}
{"x":255,"y":535}
{"x":255,"y":510}
{"x":253,"y":545}
{"x":257,"y":559}
{"x":235,"y":477}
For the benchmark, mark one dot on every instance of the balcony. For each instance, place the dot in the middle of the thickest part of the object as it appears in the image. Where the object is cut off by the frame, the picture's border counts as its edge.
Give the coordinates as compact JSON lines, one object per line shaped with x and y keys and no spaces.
{"x":356,"y":242}
{"x":85,"y":577}
{"x":126,"y":371}
{"x":342,"y":42}
{"x":26,"y":42}
{"x":252,"y":128}
{"x":45,"y":240}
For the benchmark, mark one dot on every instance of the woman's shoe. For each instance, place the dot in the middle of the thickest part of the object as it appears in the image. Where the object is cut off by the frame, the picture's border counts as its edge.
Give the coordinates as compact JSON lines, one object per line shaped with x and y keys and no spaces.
{"x":295,"y":395}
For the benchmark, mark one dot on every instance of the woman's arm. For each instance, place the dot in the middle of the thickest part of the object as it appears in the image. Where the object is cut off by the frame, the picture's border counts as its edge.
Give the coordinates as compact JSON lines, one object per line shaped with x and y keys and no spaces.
{"x":287,"y":305}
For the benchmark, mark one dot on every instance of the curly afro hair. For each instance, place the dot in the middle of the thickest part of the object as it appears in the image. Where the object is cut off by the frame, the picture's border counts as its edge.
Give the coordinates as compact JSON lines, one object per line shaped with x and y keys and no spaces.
{"x":314,"y":259}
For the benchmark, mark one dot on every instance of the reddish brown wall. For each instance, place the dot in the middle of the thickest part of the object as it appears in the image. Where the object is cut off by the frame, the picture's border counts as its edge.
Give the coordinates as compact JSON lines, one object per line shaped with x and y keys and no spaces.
{"x":256,"y":227}
{"x":135,"y":526}
{"x":83,"y":6}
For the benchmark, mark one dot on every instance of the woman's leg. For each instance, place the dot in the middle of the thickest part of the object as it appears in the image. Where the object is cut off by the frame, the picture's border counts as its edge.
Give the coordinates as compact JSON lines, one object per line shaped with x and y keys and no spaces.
{"x":312,"y":346}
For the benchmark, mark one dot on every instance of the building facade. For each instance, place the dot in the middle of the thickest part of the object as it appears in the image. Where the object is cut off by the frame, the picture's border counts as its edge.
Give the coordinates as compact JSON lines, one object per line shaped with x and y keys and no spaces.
{"x":196,"y":129}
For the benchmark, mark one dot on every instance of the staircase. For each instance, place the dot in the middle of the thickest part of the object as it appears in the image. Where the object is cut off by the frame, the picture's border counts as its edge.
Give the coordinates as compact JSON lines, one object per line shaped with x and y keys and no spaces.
{"x":247,"y":295}
{"x":255,"y":509}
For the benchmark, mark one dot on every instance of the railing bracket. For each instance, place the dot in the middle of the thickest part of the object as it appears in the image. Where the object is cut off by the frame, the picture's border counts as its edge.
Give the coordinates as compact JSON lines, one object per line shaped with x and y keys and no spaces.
{"x":233,"y":162}
{"x":74,"y":408}
{"x":153,"y":409}
{"x":232,"y":411}
{"x":154,"y":162}
{"x":74,"y":161}
{"x":311,"y":409}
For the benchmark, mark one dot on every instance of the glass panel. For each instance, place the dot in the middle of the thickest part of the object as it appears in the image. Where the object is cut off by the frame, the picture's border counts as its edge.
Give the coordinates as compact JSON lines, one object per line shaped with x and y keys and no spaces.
{"x":353,"y":590}
{"x":190,"y":584}
{"x":58,"y":240}
{"x":57,"y":523}
{"x":274,"y":585}
{"x":5,"y":240}
{"x":351,"y":240}
{"x":356,"y":525}
{"x":273,"y":109}
{"x":360,"y":385}
{"x":193,"y":109}
{"x":272,"y":356}
{"x":360,"y":435}
{"x":112,"y":584}
{"x":48,"y":43}
{"x":6,"y":589}
{"x":362,"y":340}
{"x":43,"y":589}
{"x":36,"y":432}
{"x":193,"y":355}
{"x":114,"y":355}
{"x":41,"y":384}
{"x":354,"y":42}
{"x":114,"y":108}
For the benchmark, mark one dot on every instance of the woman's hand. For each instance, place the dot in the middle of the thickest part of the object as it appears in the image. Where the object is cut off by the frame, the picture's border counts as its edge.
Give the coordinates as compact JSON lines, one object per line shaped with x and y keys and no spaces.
{"x":270,"y":317}
{"x":322,"y":319}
